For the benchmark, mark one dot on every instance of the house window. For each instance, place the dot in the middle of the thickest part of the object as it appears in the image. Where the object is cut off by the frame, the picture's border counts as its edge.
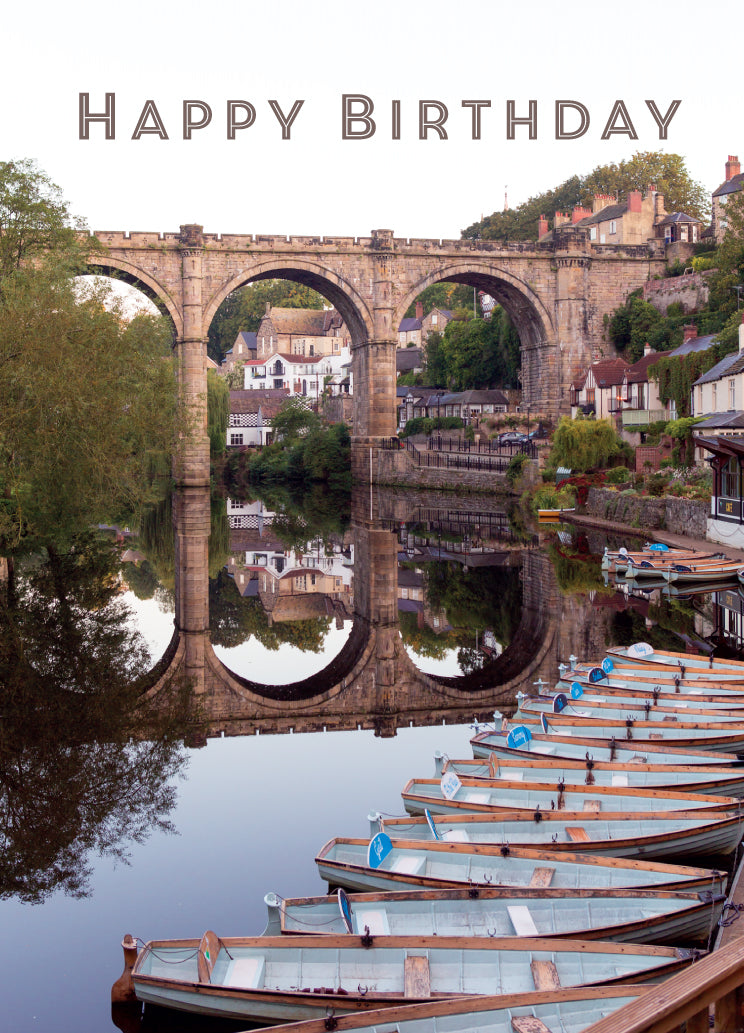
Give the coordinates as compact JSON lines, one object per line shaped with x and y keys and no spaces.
{"x":236,"y":439}
{"x":278,"y":383}
{"x":730,"y":479}
{"x":593,"y":233}
{"x":613,"y":227}
{"x":714,"y":393}
{"x":732,"y":393}
{"x":433,"y":319}
{"x":683,"y":233}
{"x":699,"y":406}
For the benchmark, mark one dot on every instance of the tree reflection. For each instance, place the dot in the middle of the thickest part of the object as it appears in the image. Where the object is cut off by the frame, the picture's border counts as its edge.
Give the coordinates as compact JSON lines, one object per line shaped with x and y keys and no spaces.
{"x":85,"y":764}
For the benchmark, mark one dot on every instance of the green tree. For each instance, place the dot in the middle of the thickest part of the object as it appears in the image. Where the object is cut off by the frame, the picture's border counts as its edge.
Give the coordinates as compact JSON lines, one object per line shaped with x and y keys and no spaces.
{"x":667,"y":171}
{"x":583,"y":445}
{"x":87,"y":421}
{"x":34,"y":218}
{"x":294,"y":419}
{"x":218,"y":412}
{"x":443,"y":295}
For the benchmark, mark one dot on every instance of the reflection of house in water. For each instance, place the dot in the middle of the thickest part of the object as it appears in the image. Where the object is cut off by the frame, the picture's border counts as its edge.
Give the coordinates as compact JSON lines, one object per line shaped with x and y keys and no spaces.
{"x":412,"y":599}
{"x":291,"y":584}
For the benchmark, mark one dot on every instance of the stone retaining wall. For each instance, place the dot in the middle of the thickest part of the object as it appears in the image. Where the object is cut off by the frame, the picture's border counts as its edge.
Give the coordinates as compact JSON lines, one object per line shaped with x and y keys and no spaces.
{"x":396,"y":467}
{"x":679,"y":516}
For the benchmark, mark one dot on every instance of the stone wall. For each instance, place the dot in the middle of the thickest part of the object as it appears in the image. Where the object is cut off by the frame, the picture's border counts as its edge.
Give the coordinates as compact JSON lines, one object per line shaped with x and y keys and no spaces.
{"x":679,"y":516}
{"x":691,"y":290}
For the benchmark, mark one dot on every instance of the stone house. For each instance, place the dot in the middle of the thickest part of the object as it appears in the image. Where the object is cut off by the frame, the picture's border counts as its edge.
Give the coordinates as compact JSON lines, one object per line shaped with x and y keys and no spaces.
{"x":610,"y":221}
{"x":732,"y":184}
{"x":301,"y":331}
{"x":243,"y":350}
{"x":437,"y":320}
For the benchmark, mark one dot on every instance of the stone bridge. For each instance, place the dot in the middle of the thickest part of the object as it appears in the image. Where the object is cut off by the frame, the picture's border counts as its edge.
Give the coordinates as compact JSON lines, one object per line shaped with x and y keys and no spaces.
{"x":372,"y":682}
{"x":556,"y":295}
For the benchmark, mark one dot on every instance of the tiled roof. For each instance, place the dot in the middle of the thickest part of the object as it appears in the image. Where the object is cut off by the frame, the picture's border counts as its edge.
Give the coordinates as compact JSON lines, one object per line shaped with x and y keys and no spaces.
{"x":638,"y":372}
{"x":732,"y":418}
{"x":269,"y":401}
{"x":310,"y":321}
{"x":608,"y":372}
{"x":729,"y":364}
{"x":248,"y":337}
{"x":730,"y":186}
{"x":407,"y":359}
{"x":302,"y":359}
{"x":409,"y":324}
{"x":612,"y":211}
{"x":695,"y":344}
{"x":677,"y":217}
{"x":484,"y":397}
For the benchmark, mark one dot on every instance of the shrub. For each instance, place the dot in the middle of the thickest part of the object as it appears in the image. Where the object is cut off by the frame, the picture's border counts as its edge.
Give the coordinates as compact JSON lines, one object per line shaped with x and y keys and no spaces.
{"x":514,"y":469}
{"x":618,"y":475}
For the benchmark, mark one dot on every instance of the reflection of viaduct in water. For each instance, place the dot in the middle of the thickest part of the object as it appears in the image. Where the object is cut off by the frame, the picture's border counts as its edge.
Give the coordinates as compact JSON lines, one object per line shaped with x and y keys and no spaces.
{"x":372,"y":682}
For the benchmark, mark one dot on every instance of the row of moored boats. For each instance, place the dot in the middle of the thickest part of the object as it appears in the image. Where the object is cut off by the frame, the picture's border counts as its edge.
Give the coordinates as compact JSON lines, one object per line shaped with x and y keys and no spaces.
{"x":581,"y":854}
{"x":658,"y":561}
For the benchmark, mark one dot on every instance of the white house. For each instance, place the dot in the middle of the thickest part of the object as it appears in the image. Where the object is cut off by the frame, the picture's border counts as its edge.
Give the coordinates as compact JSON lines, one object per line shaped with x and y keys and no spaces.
{"x":299,"y":374}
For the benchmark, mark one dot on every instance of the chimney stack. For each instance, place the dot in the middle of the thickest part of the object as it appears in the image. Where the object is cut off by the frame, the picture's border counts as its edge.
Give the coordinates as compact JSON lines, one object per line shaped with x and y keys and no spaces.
{"x":579,"y":213}
{"x":419,"y":310}
{"x":689,"y":332}
{"x":647,"y":349}
{"x":542,"y":227}
{"x":635,"y":199}
{"x":561,"y":218}
{"x":733,"y":168}
{"x":601,"y":201}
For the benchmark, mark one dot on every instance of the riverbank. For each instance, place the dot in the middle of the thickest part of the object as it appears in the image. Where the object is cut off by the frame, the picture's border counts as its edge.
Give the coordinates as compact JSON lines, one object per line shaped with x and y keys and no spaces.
{"x":680,"y":541}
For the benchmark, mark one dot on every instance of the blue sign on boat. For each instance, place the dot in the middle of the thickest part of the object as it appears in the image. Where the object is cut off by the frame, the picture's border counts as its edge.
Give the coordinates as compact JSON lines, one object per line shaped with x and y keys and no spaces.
{"x":379,"y":847}
{"x":639,"y":649}
{"x":544,"y":723}
{"x":560,"y":702}
{"x":449,"y":784}
{"x":576,"y":690}
{"x":596,"y":674}
{"x":657,"y":547}
{"x":607,"y":665}
{"x":345,"y":908}
{"x":430,"y":823}
{"x":518,"y":737}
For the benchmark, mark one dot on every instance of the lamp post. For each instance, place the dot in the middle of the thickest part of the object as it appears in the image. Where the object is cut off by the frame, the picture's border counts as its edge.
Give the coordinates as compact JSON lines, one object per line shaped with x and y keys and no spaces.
{"x":738,"y":288}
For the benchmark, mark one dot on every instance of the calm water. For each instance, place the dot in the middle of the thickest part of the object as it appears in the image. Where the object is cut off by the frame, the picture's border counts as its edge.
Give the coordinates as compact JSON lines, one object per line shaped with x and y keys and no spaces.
{"x":252,"y":811}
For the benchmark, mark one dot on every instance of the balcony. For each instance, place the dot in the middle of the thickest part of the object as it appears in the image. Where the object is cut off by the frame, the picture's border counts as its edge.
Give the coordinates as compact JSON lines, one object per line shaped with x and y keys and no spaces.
{"x":634,"y":418}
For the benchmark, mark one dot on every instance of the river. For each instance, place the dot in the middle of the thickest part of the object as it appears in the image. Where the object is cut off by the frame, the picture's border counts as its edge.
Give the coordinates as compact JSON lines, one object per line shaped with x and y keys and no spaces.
{"x":451,"y":604}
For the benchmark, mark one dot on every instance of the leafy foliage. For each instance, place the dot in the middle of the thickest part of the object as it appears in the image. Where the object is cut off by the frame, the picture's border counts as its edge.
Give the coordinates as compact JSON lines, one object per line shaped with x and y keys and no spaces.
{"x":218,"y":412}
{"x":667,"y":171}
{"x":474,"y":353}
{"x":583,"y":445}
{"x":443,"y":295}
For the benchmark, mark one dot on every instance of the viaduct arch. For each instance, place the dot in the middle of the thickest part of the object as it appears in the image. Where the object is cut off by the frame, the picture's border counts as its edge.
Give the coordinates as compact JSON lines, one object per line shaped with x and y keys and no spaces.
{"x":556,"y":294}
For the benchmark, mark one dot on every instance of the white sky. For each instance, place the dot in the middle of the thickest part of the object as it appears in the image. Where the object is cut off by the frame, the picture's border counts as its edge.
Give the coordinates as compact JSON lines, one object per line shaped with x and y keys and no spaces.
{"x":315,"y":183}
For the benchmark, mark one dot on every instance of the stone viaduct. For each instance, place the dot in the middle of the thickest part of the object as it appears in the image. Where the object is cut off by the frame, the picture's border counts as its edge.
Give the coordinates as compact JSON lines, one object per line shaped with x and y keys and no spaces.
{"x":555,"y":293}
{"x":372,"y":682}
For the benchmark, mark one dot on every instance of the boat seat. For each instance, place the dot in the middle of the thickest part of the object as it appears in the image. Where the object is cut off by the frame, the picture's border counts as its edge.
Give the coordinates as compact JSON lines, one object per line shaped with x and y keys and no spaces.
{"x":417,"y":979}
{"x":373,"y":917}
{"x":246,"y":972}
{"x":456,"y":836}
{"x":522,"y":920}
{"x":545,"y":975}
{"x":528,"y":1024}
{"x":577,"y":834}
{"x":408,"y":864}
{"x":476,"y":796}
{"x":543,"y":749}
{"x":542,"y":877}
{"x":621,"y":779}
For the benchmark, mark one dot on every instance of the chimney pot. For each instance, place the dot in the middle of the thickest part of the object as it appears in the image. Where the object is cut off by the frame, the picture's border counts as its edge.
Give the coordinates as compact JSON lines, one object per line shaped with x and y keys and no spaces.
{"x":690,"y":332}
{"x":419,"y":310}
{"x":733,"y":168}
{"x":635,"y":198}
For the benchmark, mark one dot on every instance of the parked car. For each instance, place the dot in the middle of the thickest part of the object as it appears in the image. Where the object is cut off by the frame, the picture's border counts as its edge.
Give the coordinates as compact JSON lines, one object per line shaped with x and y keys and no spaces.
{"x":513,"y":437}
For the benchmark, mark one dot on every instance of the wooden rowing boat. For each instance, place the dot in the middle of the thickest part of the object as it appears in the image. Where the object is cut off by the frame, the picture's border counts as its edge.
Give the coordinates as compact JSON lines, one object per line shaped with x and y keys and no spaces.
{"x":642,"y":652}
{"x":710,"y":735}
{"x":357,"y":864}
{"x":454,"y":795}
{"x":619,"y":707}
{"x":532,"y":742}
{"x":555,"y":1011}
{"x":687,"y":779}
{"x":621,"y":915}
{"x":654,"y":835}
{"x":702,"y":572}
{"x":286,"y":978}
